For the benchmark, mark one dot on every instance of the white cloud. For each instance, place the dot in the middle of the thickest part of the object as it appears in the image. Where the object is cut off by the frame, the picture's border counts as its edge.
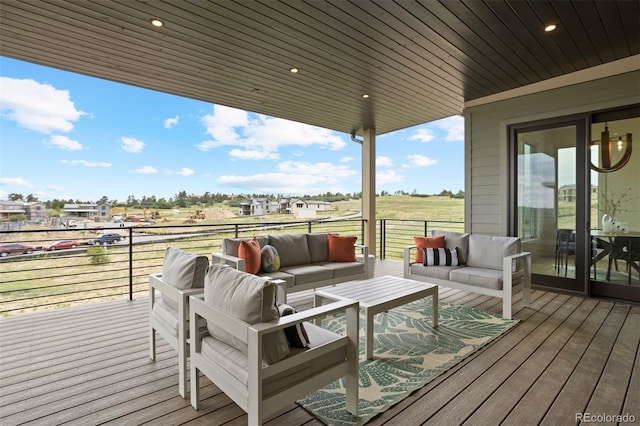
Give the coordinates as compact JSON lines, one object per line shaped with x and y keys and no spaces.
{"x":36,"y":106}
{"x":293,"y":177}
{"x":388,"y":176}
{"x":253,"y":154}
{"x":170,"y":122}
{"x":131,"y":144}
{"x":422,"y":135}
{"x":232,"y":127}
{"x":421,"y":160}
{"x":382,"y":161}
{"x":185,"y":171}
{"x":86,"y":163}
{"x":146,"y":170}
{"x":64,"y":143}
{"x":454,"y":126}
{"x":56,"y":188}
{"x":346,"y":159}
{"x":16,"y":181}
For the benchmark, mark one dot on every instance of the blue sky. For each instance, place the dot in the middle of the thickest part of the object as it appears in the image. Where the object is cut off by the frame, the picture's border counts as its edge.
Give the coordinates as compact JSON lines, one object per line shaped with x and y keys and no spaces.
{"x":65,"y":135}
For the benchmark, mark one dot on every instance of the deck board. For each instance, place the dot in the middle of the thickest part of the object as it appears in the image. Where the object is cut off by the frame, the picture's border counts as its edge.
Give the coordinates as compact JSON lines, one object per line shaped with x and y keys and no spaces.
{"x":90,"y":365}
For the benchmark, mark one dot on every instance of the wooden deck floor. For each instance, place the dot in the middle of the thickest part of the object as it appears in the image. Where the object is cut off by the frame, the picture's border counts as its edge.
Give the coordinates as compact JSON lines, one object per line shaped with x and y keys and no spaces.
{"x":89,"y":365}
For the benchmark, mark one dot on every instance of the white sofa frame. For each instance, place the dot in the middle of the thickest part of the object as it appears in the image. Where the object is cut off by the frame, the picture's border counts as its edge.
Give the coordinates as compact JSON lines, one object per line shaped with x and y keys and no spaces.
{"x":510,"y":274}
{"x":179,"y":343}
{"x":250,"y":397}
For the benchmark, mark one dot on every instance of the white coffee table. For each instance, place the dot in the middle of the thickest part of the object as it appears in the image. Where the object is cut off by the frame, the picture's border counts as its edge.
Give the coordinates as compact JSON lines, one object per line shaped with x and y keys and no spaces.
{"x":379,"y":295}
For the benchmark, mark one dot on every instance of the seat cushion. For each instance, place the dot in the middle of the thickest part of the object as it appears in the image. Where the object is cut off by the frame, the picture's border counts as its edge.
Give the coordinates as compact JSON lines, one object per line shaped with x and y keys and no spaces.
{"x":479,"y":277}
{"x":488,"y":251}
{"x":343,"y":269}
{"x":280,"y":275}
{"x":236,"y":363}
{"x":183,"y":270}
{"x":166,"y":314}
{"x":292,"y":248}
{"x":308,"y":273}
{"x":248,"y":298}
{"x":441,"y":272}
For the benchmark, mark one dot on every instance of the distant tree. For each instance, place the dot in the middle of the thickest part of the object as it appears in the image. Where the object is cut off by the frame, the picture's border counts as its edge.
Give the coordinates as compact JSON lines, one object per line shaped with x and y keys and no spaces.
{"x":459,"y":194}
{"x":131,"y":200}
{"x":103,"y":200}
{"x":446,"y":193}
{"x":15,"y":197}
{"x":17,"y":218}
{"x":32,"y":198}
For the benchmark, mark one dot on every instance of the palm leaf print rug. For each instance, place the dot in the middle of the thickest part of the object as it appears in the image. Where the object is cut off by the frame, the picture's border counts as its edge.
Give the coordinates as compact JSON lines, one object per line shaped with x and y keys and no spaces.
{"x":408,"y":353}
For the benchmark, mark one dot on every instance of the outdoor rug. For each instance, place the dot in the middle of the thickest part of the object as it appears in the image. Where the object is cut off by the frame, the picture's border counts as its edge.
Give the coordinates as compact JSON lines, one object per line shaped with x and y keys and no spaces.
{"x":408,"y":353}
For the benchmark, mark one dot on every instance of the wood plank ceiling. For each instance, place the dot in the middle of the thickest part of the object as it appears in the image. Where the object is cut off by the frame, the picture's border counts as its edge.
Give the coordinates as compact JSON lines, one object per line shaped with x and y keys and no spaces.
{"x":418,"y":60}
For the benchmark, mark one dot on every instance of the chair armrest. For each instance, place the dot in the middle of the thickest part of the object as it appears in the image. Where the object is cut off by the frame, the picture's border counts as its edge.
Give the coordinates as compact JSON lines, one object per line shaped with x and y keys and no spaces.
{"x":508,"y":261}
{"x":407,"y":253}
{"x":365,"y":252}
{"x":227,"y":259}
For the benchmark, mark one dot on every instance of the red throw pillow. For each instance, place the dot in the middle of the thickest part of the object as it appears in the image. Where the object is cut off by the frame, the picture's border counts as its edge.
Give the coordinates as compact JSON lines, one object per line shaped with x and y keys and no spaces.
{"x":428,"y":242}
{"x":250,"y":252}
{"x":342,"y":249}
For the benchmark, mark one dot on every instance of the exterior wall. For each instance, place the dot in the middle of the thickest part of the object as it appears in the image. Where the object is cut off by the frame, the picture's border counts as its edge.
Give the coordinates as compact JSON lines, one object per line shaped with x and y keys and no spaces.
{"x":486,"y":159}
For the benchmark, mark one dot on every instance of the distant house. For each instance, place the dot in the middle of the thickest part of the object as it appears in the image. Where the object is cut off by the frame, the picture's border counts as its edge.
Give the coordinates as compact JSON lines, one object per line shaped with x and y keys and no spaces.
{"x":308,"y":208}
{"x":259,"y":207}
{"x":88,"y":211}
{"x":33,"y":211}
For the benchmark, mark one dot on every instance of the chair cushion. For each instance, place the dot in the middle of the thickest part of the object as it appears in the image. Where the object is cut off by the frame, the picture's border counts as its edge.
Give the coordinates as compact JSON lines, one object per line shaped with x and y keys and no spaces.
{"x":250,"y":252}
{"x":269,"y":259}
{"x":305,"y":274}
{"x":341,"y":249}
{"x":292,"y":248}
{"x":488,"y":251}
{"x":426,"y":242}
{"x":479,"y":277}
{"x":248,"y":298}
{"x":455,"y":240}
{"x":318,"y":247}
{"x":441,"y":272}
{"x":343,"y":269}
{"x":183,"y":270}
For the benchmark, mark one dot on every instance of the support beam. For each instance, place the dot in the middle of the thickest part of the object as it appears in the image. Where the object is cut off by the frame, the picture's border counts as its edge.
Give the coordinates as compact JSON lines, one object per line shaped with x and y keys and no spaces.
{"x":369,"y":189}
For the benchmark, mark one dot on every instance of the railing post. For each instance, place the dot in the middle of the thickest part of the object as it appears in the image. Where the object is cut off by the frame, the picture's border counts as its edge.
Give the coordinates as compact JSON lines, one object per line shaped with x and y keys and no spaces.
{"x":309,"y":227}
{"x":130,"y":264}
{"x":383,"y":238}
{"x":426,"y":228}
{"x":236,"y":230}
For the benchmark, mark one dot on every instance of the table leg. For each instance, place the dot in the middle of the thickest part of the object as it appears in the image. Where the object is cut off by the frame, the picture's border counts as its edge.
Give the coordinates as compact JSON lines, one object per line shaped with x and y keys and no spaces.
{"x":368,"y":334}
{"x":434,"y":300}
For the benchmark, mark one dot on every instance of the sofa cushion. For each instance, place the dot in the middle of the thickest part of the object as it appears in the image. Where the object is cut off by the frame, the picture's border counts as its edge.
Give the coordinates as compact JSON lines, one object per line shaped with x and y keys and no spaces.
{"x":440,"y":257}
{"x":342,"y":249}
{"x":279,"y":275}
{"x":270,"y":259}
{"x":424,"y":242}
{"x":292,"y":248}
{"x":455,"y":240}
{"x":488,"y":251}
{"x":248,"y":298}
{"x":183,"y":270}
{"x":308,"y":273}
{"x":479,"y":277}
{"x":440,"y":272}
{"x":343,"y":269}
{"x":318,"y":247}
{"x":230,"y":245}
{"x":250,"y":252}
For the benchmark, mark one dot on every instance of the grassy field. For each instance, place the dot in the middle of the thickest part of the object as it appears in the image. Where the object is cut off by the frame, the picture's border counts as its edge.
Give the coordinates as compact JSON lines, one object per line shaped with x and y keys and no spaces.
{"x":61,"y":279}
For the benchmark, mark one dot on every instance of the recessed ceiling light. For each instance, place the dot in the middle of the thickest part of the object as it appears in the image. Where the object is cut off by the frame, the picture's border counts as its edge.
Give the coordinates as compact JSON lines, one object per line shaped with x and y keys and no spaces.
{"x":294,"y":70}
{"x":550,"y":27}
{"x":365,"y":96}
{"x":156,"y":22}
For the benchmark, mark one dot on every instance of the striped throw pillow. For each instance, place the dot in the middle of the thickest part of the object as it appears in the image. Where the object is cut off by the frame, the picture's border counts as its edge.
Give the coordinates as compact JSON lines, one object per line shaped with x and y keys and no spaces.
{"x":440,"y":257}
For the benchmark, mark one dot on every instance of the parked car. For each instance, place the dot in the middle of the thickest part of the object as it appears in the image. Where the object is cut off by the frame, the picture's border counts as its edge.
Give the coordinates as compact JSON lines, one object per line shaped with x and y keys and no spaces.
{"x":63,"y":244}
{"x":7,"y":249}
{"x":106,"y":239}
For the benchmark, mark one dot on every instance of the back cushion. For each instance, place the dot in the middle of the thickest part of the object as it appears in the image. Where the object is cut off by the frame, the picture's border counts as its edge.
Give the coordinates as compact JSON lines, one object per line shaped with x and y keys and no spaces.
{"x":487,"y":251}
{"x":230,"y":246}
{"x":455,"y":240}
{"x":318,"y":247}
{"x":292,"y":248}
{"x":249,"y":298}
{"x":183,"y":270}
